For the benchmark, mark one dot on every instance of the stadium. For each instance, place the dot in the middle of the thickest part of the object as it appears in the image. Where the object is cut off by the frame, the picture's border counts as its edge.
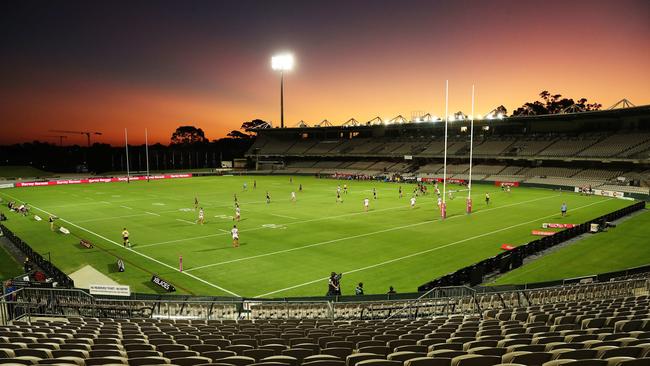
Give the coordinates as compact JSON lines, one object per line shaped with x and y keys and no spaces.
{"x":461,"y":240}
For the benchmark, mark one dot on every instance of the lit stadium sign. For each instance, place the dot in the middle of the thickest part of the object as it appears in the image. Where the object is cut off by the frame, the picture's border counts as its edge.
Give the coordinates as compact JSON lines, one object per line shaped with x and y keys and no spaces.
{"x":100,"y":180}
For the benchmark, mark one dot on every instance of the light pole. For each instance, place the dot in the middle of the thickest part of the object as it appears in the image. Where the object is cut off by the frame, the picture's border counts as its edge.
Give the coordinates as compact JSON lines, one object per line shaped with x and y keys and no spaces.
{"x":282,"y":62}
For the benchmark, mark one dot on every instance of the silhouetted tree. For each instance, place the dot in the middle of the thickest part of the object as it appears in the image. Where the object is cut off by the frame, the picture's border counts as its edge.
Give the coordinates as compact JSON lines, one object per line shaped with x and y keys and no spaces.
{"x":552,"y":104}
{"x":238,"y":135}
{"x":249,"y":126}
{"x":187,"y":135}
{"x":501,"y":110}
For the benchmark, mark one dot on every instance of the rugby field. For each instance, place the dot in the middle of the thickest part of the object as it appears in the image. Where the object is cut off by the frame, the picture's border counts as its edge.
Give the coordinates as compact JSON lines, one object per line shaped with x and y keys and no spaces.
{"x":287,"y":248}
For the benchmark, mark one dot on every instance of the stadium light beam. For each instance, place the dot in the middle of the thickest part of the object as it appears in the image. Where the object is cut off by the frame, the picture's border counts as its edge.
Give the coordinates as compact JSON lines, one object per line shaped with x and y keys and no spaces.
{"x":282,"y":62}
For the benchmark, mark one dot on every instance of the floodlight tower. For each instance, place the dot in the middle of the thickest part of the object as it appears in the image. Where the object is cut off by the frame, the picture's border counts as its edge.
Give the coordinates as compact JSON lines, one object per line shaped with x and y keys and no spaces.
{"x":282,"y":62}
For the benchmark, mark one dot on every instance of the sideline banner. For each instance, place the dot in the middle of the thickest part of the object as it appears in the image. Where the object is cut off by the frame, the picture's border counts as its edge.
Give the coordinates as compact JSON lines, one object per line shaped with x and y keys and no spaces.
{"x":602,"y":192}
{"x":499,"y":183}
{"x":542,"y":233}
{"x":110,"y":290}
{"x":100,"y":180}
{"x":551,"y":225}
{"x":439,"y":180}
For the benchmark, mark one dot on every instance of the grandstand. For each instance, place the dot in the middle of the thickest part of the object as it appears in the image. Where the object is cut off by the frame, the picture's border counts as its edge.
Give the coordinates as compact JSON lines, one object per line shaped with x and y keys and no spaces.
{"x":557,"y":150}
{"x":575,"y":324}
{"x":596,"y":320}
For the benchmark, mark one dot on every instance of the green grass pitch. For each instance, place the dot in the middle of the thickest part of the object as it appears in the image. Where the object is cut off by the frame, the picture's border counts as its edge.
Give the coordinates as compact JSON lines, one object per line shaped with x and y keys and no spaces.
{"x":287,"y":248}
{"x":615,"y":249}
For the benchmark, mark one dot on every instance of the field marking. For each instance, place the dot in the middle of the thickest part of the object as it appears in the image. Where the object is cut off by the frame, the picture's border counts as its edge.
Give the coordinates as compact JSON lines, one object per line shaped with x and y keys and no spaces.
{"x":353,"y":237}
{"x":110,"y":218}
{"x":189,"y":222}
{"x":134,"y":251}
{"x":225,"y":231}
{"x":260,"y":228}
{"x":127,"y":207}
{"x":284,"y":216}
{"x":427,"y":250}
{"x":151,"y":213}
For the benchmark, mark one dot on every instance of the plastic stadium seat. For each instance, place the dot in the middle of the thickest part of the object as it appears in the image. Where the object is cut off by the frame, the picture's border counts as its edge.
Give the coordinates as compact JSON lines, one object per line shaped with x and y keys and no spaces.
{"x":341,"y":353}
{"x":404,"y":355}
{"x":488,"y":351}
{"x":379,"y":350}
{"x":475,"y":360}
{"x":450,"y":346}
{"x":428,"y":361}
{"x":287,"y":360}
{"x":238,"y":348}
{"x":526,"y":357}
{"x":445,"y":353}
{"x":190,"y":361}
{"x":324,"y":363}
{"x":171,"y":347}
{"x":637,"y":362}
{"x":379,"y":363}
{"x":258,"y":354}
{"x":613,"y":361}
{"x":63,"y":360}
{"x":298,"y":353}
{"x":580,"y":354}
{"x":146,"y":361}
{"x":353,"y":359}
{"x":217,"y":355}
{"x":105,"y":361}
{"x":238,"y":360}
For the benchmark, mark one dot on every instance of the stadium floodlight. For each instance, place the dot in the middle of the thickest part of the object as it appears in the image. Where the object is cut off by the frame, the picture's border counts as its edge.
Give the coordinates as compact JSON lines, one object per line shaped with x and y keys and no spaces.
{"x":490,"y":116}
{"x":451,"y":118}
{"x":282,"y":62}
{"x":478,"y":116}
{"x":500,"y":116}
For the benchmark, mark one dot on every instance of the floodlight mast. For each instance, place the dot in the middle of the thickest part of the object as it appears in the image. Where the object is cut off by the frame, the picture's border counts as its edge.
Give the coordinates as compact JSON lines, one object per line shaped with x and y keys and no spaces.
{"x":282,"y":62}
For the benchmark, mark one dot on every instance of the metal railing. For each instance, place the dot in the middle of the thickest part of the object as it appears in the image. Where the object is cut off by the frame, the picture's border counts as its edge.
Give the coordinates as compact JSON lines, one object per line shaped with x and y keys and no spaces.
{"x":446,"y":301}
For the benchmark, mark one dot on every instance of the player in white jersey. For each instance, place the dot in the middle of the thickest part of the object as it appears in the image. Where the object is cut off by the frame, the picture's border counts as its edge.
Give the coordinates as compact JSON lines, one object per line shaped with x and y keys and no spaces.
{"x":237,"y":213}
{"x":439,"y":201}
{"x":235,"y":236}
{"x":293,"y":196}
{"x":412,"y":201}
{"x":201,"y":216}
{"x":366,"y":203}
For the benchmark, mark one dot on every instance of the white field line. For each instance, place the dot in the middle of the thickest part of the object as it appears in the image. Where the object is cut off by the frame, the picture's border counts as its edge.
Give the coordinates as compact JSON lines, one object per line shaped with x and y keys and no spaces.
{"x":110,"y":218}
{"x":127,"y":207}
{"x":134,"y":251}
{"x":225,"y":231}
{"x":185,"y":221}
{"x":428,"y":250}
{"x":284,"y":224}
{"x":351,"y":237}
{"x":285,"y":216}
{"x":151,"y":213}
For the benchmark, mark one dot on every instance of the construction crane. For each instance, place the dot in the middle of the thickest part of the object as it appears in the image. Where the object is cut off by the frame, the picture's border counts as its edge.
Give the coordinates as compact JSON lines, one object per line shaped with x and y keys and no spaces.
{"x":60,"y":137}
{"x":87,"y":133}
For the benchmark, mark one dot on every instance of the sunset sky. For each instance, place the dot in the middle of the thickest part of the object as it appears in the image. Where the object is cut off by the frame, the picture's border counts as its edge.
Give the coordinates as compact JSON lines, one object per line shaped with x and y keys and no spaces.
{"x":107,"y":65}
